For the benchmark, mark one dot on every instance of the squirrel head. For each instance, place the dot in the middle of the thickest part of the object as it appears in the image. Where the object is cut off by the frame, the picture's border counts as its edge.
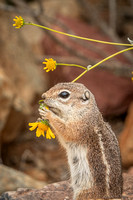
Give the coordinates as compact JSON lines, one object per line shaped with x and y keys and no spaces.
{"x":70,"y":100}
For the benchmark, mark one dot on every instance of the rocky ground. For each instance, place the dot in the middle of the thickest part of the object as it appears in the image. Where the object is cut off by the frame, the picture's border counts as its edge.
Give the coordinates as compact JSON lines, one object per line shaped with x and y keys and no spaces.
{"x":61,"y":191}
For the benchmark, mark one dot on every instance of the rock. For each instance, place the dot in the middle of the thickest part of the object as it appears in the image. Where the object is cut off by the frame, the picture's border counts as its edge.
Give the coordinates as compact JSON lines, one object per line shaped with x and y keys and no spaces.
{"x":113,"y":93}
{"x":11,"y":179}
{"x":56,"y":191}
{"x":61,"y":191}
{"x":128,"y":187}
{"x":126,"y":140}
{"x":6,"y":97}
{"x":21,"y":80}
{"x":67,"y":8}
{"x":41,"y":159}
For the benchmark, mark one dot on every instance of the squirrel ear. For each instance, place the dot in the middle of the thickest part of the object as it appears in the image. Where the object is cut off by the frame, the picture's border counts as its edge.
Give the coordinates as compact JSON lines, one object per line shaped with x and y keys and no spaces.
{"x":86,"y":95}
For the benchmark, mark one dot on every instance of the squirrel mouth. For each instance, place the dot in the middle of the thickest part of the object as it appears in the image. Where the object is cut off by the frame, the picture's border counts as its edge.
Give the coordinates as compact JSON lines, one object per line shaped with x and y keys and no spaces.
{"x":56,"y":111}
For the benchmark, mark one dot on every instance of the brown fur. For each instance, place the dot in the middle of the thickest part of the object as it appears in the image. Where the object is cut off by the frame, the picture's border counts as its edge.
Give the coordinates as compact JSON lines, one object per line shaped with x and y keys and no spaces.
{"x":77,"y":121}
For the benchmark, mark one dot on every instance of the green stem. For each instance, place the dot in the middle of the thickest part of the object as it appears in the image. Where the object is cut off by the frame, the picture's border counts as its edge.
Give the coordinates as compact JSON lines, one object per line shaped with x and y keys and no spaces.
{"x":115,"y":54}
{"x":74,"y":36}
{"x":79,"y":76}
{"x":72,"y":65}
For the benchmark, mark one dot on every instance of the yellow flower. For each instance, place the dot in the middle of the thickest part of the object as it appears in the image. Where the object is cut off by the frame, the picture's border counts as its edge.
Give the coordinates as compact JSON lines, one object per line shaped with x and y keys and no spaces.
{"x":42,"y":127}
{"x":50,"y":64}
{"x":19,"y":22}
{"x":43,"y":105}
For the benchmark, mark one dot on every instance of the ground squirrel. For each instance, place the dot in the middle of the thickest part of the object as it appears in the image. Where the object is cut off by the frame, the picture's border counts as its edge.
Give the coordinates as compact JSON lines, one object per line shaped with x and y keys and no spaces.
{"x":91,"y":146}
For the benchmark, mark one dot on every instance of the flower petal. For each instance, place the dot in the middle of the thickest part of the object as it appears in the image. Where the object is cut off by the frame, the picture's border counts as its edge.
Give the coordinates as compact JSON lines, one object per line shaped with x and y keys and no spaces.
{"x":38,"y":132}
{"x":48,"y":136}
{"x":42,"y":133}
{"x":50,"y":133}
{"x":34,"y":125}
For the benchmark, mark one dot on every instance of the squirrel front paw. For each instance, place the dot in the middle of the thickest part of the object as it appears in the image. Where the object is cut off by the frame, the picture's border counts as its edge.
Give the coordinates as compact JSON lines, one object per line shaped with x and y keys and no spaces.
{"x":43,"y":112}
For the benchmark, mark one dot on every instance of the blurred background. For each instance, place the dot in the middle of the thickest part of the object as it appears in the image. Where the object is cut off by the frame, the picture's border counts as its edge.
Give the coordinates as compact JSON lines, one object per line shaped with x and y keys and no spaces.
{"x":27,"y":161}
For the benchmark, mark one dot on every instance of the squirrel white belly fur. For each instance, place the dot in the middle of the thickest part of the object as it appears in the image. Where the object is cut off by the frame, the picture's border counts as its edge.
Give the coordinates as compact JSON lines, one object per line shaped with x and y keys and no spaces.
{"x":91,"y":146}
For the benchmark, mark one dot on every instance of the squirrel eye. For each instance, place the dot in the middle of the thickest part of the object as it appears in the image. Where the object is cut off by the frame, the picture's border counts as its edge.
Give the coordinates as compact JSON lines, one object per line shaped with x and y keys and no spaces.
{"x":64,"y":94}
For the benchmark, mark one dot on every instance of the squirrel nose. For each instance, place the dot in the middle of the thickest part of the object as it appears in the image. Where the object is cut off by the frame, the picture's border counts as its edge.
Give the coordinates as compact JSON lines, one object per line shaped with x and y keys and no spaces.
{"x":43,"y":96}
